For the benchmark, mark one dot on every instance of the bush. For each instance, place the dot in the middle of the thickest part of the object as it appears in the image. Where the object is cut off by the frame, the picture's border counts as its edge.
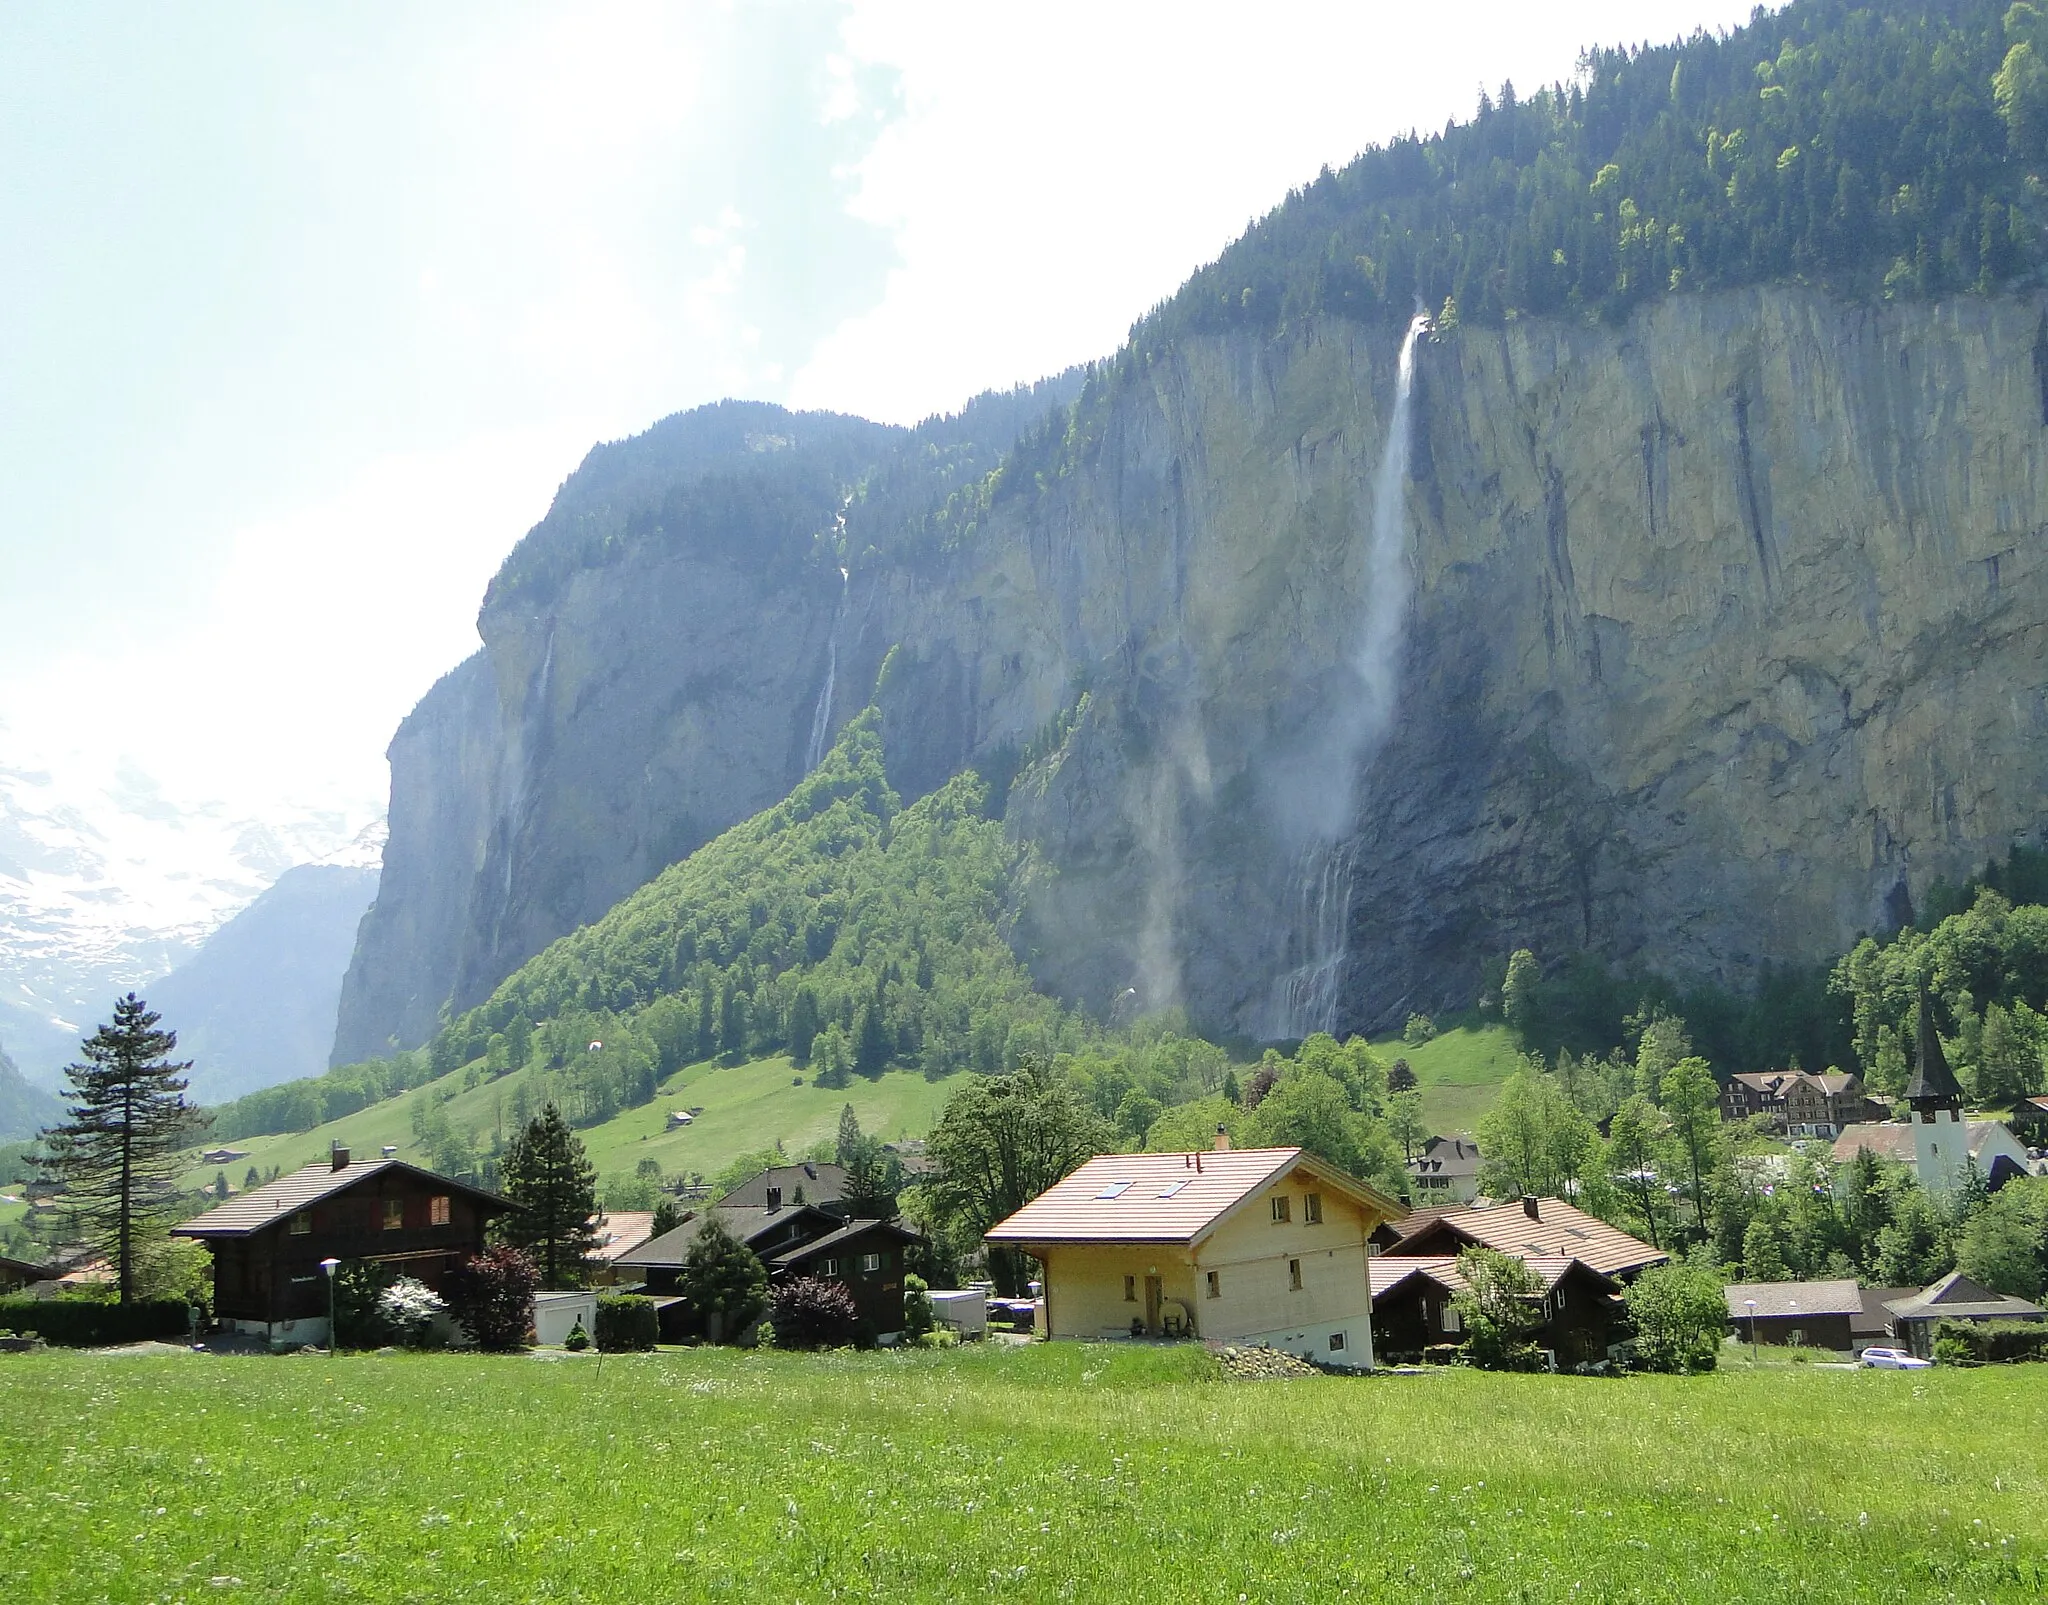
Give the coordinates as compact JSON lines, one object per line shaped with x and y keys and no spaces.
{"x":917,"y":1307}
{"x":407,"y":1309}
{"x":1419,"y":1029}
{"x":941,"y":1337}
{"x":626,"y":1324}
{"x":1679,"y":1317}
{"x":811,"y":1313}
{"x":1987,"y":1343}
{"x":723,"y":1280}
{"x":359,"y":1320}
{"x":578,"y":1340}
{"x":491,"y":1297}
{"x":94,"y":1323}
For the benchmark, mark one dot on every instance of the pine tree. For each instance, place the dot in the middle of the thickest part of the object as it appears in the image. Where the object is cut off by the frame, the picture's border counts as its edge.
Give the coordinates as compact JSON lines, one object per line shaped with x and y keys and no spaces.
{"x":554,"y":1183}
{"x":723,"y":1281}
{"x":126,"y":1119}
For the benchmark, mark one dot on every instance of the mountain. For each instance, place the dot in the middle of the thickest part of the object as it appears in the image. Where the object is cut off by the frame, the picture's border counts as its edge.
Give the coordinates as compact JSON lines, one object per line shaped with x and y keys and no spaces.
{"x":107,"y":884}
{"x":256,"y":1004}
{"x":24,"y":1110}
{"x":1684,"y":606}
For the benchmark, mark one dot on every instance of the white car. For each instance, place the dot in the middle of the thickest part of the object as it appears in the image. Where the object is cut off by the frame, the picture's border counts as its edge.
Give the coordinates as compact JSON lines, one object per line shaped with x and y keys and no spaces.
{"x":1894,"y":1360}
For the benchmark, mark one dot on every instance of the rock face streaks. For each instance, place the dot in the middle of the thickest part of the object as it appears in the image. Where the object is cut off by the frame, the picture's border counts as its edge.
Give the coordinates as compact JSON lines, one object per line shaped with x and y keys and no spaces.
{"x":1729,"y":634}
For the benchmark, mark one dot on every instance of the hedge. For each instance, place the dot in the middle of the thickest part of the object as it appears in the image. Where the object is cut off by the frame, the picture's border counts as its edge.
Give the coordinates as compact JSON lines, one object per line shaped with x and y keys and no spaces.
{"x":626,"y":1323}
{"x":90,"y":1324}
{"x":1988,"y":1342}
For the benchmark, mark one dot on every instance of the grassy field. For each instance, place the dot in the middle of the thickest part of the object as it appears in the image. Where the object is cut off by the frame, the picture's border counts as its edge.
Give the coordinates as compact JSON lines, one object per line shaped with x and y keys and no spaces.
{"x":1459,"y":1072}
{"x":1060,"y":1472}
{"x":746,"y":1107}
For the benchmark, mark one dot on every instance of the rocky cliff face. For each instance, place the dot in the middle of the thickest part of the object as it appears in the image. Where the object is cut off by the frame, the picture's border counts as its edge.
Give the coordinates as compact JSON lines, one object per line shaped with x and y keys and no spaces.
{"x":1729,"y":632}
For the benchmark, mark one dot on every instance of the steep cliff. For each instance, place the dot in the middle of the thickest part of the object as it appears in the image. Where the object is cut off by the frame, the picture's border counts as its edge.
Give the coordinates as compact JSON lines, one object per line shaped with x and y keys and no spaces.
{"x":1729,"y":631}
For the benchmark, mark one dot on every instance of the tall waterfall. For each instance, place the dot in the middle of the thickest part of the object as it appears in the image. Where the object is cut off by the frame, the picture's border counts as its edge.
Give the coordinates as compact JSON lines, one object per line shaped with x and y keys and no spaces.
{"x":1304,"y":999}
{"x":821,"y":718}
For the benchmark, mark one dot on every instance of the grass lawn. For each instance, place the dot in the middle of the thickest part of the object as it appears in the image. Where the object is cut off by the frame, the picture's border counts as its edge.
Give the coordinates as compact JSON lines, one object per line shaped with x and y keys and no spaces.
{"x":1459,"y":1072}
{"x":746,"y":1107}
{"x":1061,"y":1472}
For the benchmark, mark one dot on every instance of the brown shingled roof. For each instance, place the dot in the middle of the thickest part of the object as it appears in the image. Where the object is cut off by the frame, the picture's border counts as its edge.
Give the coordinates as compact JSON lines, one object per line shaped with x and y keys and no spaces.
{"x":1777,"y":1300}
{"x":1165,"y":1198}
{"x":1558,"y":1228}
{"x":1385,"y":1272}
{"x":253,"y":1211}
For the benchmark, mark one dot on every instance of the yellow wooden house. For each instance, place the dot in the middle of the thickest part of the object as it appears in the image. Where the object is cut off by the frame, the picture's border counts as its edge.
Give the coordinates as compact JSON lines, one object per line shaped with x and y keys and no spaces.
{"x":1248,"y":1245}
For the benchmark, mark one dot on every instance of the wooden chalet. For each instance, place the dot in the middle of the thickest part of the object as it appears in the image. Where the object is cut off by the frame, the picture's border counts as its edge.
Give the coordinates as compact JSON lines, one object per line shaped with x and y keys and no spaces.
{"x":268,"y":1244}
{"x":1817,"y":1315}
{"x":791,"y":1240}
{"x":1533,"y":1228}
{"x":16,"y":1274}
{"x":1413,"y":1308}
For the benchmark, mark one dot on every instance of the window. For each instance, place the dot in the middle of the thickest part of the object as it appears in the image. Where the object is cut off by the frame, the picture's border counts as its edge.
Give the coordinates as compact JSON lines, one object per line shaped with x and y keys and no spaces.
{"x":1130,"y":1290}
{"x":1215,"y":1286}
{"x":394,"y":1214}
{"x":1115,"y":1189}
{"x":1281,"y":1212}
{"x":1171,"y":1188}
{"x":871,"y":1262}
{"x":1336,"y":1342}
{"x":1452,"y":1322}
{"x":1312,"y":1209}
{"x":1294,"y":1275}
{"x":828,"y":1267}
{"x":437,"y":1212}
{"x":302,"y":1223}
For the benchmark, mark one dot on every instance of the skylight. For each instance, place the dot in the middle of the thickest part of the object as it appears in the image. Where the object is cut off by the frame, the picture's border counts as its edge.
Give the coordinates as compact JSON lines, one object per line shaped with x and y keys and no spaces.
{"x":1115,"y":1189}
{"x":1171,"y":1188}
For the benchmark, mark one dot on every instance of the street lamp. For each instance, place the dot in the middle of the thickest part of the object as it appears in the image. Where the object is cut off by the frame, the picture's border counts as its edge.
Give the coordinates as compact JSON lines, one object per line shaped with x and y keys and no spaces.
{"x":1752,"y":1332}
{"x":330,"y":1266}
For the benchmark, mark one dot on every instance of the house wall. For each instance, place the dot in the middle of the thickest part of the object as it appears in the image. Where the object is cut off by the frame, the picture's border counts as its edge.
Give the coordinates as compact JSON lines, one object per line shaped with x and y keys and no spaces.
{"x":1256,"y":1299}
{"x":1815,"y":1331}
{"x":1085,"y":1287}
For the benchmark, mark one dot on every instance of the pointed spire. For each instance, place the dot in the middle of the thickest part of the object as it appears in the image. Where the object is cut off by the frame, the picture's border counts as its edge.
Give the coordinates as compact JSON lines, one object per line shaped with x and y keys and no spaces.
{"x":1934,"y":1083}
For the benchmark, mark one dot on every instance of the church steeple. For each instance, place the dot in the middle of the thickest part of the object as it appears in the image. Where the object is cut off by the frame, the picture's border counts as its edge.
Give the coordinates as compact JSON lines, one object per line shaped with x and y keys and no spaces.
{"x":1934,"y":1085}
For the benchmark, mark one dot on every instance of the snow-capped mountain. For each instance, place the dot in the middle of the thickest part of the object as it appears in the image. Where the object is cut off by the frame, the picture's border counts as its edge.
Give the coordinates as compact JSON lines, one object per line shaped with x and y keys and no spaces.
{"x":107,"y":883}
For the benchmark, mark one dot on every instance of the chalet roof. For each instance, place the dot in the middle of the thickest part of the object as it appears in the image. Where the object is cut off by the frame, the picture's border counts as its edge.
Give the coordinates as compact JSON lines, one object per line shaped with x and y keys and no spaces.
{"x":1555,"y":1228}
{"x":621,"y":1229}
{"x":749,"y":1223}
{"x":1932,"y":1078}
{"x":265,"y":1206}
{"x":1893,"y":1139}
{"x":822,"y":1182}
{"x":1875,"y":1316}
{"x":22,"y":1267}
{"x":846,"y":1234}
{"x":1955,"y":1296}
{"x":1166,"y":1198}
{"x":1446,"y":1156}
{"x":1778,"y":1300}
{"x":1385,"y":1272}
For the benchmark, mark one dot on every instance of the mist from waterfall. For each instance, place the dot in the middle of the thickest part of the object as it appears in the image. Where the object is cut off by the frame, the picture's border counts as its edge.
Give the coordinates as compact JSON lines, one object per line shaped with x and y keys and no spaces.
{"x":1304,"y":998}
{"x":821,"y":717}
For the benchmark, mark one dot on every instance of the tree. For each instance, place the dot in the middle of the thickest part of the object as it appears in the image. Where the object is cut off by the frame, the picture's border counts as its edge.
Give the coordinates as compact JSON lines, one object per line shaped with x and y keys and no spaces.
{"x":1419,"y":1029}
{"x":1001,"y":1141}
{"x":125,"y":1119}
{"x":491,"y":1297}
{"x":1498,"y":1308}
{"x":1310,"y":1110}
{"x":809,"y":1312}
{"x":1534,"y":1140}
{"x":1405,"y":1123}
{"x":1679,"y":1315}
{"x":668,"y":1215}
{"x":1692,"y":1103}
{"x":1135,"y":1112}
{"x":1231,"y":1090}
{"x":1914,"y":1248}
{"x":1518,"y":990}
{"x":872,"y":1048}
{"x":551,"y":1179}
{"x":1400,"y":1076}
{"x":804,"y":1024}
{"x":1633,"y":1138}
{"x":1763,"y":1249}
{"x":723,"y":1281}
{"x":1664,"y":1042}
{"x":2005,"y":1243}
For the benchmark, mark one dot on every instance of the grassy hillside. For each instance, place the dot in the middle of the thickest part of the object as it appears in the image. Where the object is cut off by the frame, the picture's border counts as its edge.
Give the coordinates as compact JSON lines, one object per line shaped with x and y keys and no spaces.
{"x":746,"y":1108}
{"x":1068,"y":1471}
{"x":1459,"y":1073}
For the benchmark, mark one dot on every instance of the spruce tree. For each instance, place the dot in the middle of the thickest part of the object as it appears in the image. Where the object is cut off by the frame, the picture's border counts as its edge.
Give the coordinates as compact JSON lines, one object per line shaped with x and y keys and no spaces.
{"x":125,"y":1120}
{"x":551,"y":1179}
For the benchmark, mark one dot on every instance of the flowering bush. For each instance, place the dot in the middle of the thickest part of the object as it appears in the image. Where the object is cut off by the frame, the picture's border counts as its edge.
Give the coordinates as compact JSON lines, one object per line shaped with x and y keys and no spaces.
{"x":407,"y":1309}
{"x":811,"y":1313}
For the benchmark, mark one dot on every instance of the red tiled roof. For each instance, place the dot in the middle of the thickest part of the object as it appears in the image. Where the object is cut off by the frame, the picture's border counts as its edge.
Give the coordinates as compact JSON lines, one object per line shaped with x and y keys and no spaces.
{"x":1165,"y":1198}
{"x":1385,"y":1272}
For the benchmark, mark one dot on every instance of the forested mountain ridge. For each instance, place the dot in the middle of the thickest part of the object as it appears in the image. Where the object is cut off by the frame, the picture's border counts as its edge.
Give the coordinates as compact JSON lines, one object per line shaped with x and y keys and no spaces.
{"x":1718,"y":629}
{"x":24,"y":1110}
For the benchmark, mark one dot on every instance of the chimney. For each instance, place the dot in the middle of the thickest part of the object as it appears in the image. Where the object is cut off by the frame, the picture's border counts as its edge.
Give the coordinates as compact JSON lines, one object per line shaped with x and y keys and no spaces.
{"x":339,"y":1158}
{"x":390,"y":1150}
{"x":775,"y":1198}
{"x":1529,"y":1206}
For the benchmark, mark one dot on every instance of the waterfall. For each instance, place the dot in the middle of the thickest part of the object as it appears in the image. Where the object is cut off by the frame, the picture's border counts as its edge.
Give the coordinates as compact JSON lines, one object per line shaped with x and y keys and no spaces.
{"x":821,"y":718}
{"x":1304,"y":999}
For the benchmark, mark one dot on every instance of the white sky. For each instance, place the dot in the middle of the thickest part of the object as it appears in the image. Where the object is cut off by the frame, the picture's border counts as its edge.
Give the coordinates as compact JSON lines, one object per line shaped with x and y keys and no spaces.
{"x":305,"y":311}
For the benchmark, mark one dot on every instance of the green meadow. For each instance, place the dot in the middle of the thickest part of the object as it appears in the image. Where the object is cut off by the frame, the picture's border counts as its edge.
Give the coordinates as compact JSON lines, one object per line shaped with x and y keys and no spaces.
{"x":1459,"y":1072}
{"x":1059,"y":1472}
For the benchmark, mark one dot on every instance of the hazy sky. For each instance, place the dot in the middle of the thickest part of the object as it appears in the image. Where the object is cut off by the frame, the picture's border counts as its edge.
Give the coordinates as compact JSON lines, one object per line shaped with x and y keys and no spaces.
{"x":306,"y":310}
